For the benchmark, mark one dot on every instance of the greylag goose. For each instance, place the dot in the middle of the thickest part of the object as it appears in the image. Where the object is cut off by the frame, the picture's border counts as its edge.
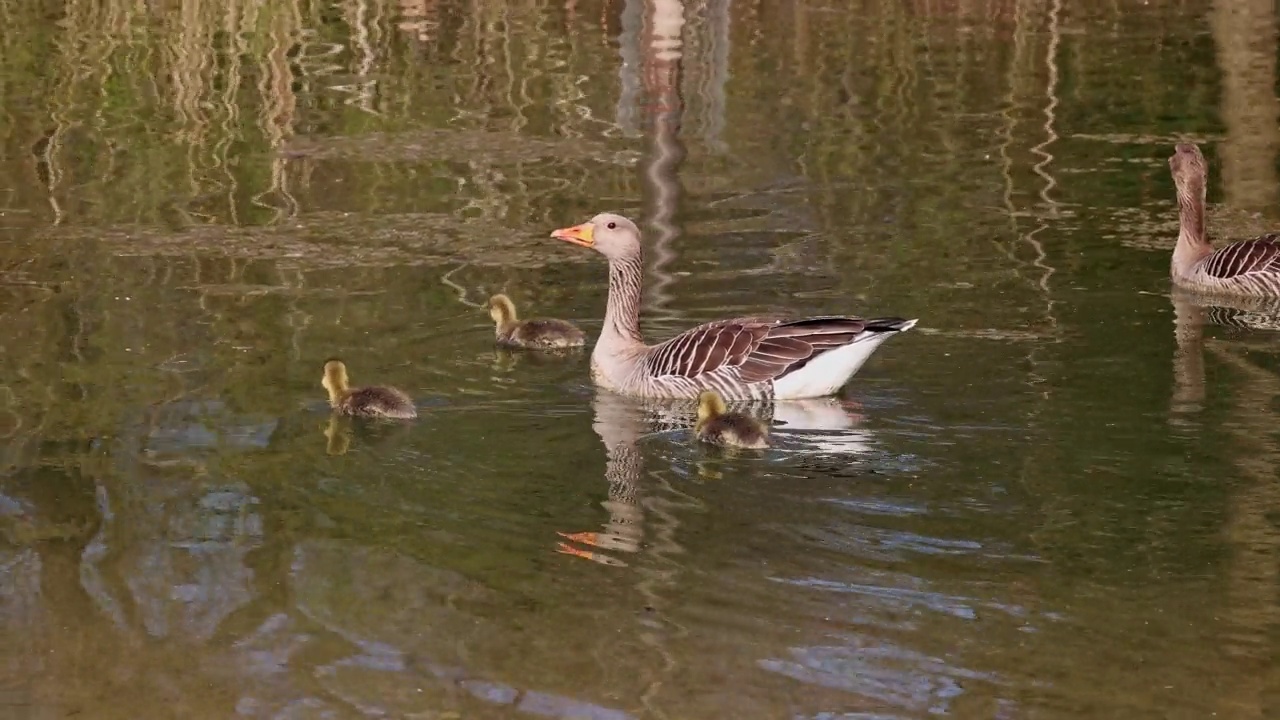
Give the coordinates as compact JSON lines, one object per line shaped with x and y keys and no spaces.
{"x":718,"y":426}
{"x":372,"y":401}
{"x":1247,"y":267}
{"x":546,"y":334}
{"x":742,"y":358}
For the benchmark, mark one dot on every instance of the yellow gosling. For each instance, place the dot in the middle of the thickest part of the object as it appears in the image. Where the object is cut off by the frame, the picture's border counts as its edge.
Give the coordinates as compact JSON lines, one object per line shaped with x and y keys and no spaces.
{"x":372,"y":401}
{"x":718,"y":426}
{"x":538,"y":334}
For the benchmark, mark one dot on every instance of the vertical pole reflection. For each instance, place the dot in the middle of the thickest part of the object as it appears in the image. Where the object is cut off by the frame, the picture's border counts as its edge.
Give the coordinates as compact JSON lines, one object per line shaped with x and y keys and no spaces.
{"x":627,"y":112}
{"x":716,"y":73}
{"x":662,"y":50}
{"x":663,"y":53}
{"x":1244,"y":32}
{"x":1253,"y":570}
{"x":1245,"y":36}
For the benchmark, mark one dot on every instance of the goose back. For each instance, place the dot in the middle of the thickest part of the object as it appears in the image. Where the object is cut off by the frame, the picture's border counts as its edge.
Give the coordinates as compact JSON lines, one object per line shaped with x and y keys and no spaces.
{"x":741,"y":358}
{"x":1247,"y":267}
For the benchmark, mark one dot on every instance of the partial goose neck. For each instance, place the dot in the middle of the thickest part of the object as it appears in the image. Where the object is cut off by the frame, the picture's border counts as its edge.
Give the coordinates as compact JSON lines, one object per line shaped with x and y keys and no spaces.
{"x":622,"y":316}
{"x":1192,"y":245}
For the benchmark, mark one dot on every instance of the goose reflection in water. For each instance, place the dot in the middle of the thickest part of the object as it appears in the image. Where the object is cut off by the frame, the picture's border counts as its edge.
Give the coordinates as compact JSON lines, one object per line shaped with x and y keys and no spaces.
{"x":1193,"y":312}
{"x":1246,"y":438}
{"x":620,"y":423}
{"x":817,"y":425}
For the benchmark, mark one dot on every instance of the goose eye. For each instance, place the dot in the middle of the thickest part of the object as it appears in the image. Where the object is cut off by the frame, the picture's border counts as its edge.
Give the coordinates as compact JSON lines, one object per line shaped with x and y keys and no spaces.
{"x":612,"y":226}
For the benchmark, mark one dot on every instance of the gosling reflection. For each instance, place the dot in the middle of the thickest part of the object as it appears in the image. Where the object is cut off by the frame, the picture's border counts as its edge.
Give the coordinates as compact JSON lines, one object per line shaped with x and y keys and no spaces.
{"x":340,"y":431}
{"x":337,"y":433}
{"x":828,"y":425}
{"x":825,"y":424}
{"x":507,"y":359}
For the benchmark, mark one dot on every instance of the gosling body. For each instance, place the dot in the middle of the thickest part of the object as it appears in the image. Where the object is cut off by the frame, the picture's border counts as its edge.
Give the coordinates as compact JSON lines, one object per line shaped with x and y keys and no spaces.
{"x":717,"y":426}
{"x":537,"y":334}
{"x":371,"y":401}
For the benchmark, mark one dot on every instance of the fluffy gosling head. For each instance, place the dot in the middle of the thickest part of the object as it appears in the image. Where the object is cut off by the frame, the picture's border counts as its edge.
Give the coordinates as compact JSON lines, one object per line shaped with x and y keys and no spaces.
{"x":502,"y":310}
{"x":718,"y":426}
{"x":710,"y":407}
{"x":335,"y":379}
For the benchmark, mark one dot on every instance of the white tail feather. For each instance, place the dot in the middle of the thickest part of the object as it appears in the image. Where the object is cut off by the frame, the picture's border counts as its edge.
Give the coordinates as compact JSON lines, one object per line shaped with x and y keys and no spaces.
{"x":827,"y":373}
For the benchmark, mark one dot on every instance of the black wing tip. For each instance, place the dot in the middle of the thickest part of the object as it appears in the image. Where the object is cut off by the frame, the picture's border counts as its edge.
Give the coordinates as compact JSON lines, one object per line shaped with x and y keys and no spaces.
{"x":891,"y":324}
{"x":880,"y":323}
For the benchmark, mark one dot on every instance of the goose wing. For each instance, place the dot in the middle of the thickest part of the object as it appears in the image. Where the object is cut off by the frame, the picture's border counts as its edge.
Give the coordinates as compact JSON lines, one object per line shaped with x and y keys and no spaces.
{"x":758,"y":349}
{"x":1244,"y":258}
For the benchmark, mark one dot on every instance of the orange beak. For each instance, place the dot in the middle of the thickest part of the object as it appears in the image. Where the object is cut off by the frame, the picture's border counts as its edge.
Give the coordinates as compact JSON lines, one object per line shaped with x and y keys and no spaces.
{"x":583,"y":235}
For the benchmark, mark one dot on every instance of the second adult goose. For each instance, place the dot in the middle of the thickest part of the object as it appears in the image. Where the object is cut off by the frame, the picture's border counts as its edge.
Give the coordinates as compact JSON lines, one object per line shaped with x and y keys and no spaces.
{"x":741,"y":358}
{"x":1244,"y":268}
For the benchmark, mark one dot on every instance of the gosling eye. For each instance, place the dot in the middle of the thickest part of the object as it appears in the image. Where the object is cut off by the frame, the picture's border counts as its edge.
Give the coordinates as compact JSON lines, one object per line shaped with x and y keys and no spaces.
{"x":612,"y":226}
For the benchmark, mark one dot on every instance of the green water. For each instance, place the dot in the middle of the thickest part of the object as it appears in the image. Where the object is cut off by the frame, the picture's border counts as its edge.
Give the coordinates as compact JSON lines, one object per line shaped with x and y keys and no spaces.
{"x":1055,"y":498}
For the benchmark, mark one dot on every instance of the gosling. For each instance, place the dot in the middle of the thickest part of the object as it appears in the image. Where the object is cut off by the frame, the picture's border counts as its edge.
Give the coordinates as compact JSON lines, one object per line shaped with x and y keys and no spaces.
{"x":373,"y":401}
{"x":537,"y":334}
{"x":718,"y":427}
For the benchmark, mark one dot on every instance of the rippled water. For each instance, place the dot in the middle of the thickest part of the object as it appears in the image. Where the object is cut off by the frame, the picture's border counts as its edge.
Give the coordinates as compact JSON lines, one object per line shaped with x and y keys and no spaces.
{"x":1055,"y":498}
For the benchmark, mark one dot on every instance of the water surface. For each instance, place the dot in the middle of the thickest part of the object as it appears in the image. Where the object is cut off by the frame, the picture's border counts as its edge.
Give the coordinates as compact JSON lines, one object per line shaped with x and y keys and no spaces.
{"x":1054,"y":498}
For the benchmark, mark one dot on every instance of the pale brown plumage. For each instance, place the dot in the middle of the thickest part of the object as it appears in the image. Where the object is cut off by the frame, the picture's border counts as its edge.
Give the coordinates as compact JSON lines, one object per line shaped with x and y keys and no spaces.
{"x":1246,"y":268}
{"x":371,"y":401}
{"x":758,"y":348}
{"x":741,"y":358}
{"x":538,"y":333}
{"x":717,"y":426}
